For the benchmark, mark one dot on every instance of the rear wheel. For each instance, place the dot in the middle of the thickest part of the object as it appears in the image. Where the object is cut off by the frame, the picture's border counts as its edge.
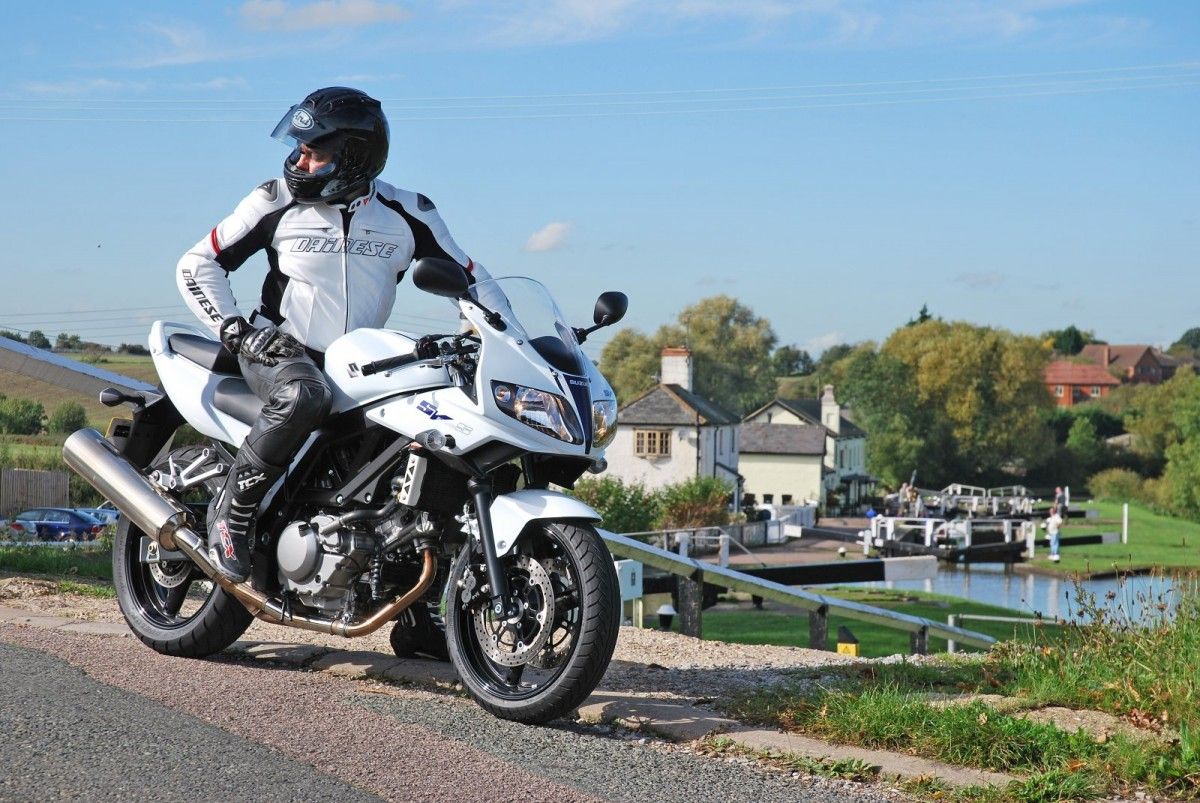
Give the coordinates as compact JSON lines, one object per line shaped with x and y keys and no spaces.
{"x":542,"y":663}
{"x":170,"y":605}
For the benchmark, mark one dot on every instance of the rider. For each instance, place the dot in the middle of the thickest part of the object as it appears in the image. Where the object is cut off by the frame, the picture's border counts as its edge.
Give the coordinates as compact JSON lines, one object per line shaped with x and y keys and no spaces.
{"x":338,"y":241}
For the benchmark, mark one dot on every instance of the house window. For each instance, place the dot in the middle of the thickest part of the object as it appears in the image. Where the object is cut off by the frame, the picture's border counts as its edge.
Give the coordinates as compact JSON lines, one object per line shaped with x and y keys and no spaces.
{"x":768,"y":499}
{"x":1058,"y":391}
{"x":652,"y":443}
{"x":1095,"y":391}
{"x":787,"y":499}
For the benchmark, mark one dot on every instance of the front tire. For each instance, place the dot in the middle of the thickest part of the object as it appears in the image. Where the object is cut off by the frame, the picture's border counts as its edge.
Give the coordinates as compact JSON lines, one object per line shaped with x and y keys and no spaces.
{"x":543,"y":663}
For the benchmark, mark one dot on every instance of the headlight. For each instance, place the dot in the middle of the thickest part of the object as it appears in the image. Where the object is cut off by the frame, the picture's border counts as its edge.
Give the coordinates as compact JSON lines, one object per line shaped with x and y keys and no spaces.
{"x":604,"y":422}
{"x":539,"y":409}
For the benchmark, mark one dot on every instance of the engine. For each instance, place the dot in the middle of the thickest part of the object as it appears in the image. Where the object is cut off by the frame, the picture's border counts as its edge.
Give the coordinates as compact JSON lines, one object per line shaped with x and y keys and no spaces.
{"x":318,"y":566}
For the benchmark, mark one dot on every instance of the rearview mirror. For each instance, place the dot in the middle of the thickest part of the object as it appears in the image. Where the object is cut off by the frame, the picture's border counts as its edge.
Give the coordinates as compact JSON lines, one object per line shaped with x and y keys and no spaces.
{"x":442,"y":277}
{"x":610,"y":308}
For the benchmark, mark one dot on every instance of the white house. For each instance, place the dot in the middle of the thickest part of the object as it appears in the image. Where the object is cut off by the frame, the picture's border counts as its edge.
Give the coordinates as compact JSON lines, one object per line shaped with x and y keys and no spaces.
{"x":844,"y":461}
{"x":783,"y":463}
{"x":670,"y":434}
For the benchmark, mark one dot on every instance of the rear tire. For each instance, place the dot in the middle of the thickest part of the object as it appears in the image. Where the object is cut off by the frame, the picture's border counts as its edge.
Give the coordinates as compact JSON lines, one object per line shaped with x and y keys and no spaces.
{"x":153,"y":601}
{"x":568,"y":661}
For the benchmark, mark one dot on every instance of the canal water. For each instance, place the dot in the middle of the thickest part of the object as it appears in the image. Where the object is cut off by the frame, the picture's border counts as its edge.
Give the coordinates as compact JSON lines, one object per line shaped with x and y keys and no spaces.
{"x":1134,"y":598}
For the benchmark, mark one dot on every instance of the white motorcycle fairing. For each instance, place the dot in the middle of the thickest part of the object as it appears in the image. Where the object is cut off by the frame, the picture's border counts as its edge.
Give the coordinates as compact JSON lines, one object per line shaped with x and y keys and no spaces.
{"x":422,"y":396}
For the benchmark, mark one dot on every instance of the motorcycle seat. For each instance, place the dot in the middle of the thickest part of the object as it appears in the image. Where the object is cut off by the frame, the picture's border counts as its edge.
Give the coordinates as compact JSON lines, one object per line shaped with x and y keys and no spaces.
{"x":233,"y":396}
{"x":204,"y":352}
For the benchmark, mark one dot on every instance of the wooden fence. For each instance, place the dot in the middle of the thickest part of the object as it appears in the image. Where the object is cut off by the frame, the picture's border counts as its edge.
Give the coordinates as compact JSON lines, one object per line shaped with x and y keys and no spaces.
{"x":21,"y":489}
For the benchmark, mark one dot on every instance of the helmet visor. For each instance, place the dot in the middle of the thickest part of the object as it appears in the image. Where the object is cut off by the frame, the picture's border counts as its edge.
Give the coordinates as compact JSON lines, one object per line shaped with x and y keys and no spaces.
{"x":299,"y":125}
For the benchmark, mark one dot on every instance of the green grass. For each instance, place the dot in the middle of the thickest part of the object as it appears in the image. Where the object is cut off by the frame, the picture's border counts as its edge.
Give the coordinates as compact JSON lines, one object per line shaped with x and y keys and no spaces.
{"x":1142,"y":672}
{"x":91,"y":563}
{"x":1155,"y":541}
{"x":51,"y":396}
{"x":99,"y":590}
{"x":771,"y":625}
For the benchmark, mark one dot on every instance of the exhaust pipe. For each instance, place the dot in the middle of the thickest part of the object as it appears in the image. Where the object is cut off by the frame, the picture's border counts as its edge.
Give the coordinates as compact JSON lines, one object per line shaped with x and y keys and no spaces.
{"x":94,"y":458}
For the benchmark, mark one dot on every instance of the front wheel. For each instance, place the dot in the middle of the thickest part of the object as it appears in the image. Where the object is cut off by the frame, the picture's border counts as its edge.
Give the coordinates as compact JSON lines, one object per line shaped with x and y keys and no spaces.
{"x":542,"y":663}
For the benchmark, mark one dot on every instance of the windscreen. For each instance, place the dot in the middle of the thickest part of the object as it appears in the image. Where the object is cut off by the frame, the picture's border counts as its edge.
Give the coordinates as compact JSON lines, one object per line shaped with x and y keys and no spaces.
{"x":528,"y":308}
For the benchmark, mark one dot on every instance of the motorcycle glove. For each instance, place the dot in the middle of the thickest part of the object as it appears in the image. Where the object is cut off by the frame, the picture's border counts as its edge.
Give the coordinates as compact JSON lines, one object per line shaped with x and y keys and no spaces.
{"x":232,"y":331}
{"x":267,"y":346}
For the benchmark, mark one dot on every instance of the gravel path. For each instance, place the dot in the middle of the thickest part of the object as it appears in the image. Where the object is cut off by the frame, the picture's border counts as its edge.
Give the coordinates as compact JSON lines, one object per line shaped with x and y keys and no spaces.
{"x":409,"y":744}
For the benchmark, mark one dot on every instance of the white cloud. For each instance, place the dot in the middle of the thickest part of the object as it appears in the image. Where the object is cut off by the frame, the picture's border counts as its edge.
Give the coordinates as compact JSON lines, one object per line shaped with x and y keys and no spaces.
{"x":818,"y":344}
{"x":811,"y":22}
{"x":548,"y":237}
{"x":280,"y":15}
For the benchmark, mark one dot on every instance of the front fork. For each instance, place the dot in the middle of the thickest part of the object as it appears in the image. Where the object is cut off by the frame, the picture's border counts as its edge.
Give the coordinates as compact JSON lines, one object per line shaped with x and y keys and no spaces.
{"x":502,"y":604}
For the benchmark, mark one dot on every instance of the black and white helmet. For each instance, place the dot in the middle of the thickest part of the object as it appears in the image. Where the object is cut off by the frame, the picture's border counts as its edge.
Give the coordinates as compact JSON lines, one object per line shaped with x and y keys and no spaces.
{"x":348,"y":124}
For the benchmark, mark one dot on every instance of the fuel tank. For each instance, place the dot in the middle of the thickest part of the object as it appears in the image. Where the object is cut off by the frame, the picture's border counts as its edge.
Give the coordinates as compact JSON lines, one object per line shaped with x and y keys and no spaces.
{"x":345,"y":357}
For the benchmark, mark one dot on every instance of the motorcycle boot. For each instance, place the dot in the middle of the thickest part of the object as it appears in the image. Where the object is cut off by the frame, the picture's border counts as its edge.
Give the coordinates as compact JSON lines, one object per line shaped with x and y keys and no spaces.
{"x":231,"y":514}
{"x":420,"y":633}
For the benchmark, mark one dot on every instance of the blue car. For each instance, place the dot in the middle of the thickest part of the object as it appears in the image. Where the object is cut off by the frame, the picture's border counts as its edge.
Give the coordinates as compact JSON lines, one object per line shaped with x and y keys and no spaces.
{"x":57,"y":524}
{"x":104,"y":515}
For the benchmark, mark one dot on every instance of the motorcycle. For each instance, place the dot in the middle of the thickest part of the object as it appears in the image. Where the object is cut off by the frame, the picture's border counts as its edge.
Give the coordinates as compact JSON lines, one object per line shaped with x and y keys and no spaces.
{"x":428,"y":483}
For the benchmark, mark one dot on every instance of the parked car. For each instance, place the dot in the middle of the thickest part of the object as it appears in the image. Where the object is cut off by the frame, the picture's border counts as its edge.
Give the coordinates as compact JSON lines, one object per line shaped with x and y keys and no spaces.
{"x":57,"y":524}
{"x":105,"y":515}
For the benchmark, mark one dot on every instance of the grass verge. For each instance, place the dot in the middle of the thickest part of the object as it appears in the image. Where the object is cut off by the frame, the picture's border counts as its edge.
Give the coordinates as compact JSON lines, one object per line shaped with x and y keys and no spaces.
{"x":91,"y":563}
{"x":1144,"y":673}
{"x":1155,"y":541}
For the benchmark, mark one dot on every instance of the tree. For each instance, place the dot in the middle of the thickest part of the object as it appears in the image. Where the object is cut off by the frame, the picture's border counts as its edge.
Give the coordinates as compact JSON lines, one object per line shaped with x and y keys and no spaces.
{"x":731,"y":355}
{"x":38,"y":339}
{"x":630,"y":362}
{"x":21,"y":416}
{"x":134,"y":348}
{"x":1181,"y":479}
{"x":954,"y":401}
{"x":12,"y":335}
{"x":922,"y":316}
{"x":1151,"y":413}
{"x":1189,"y":339}
{"x":1086,"y":446}
{"x":67,"y":417}
{"x":791,"y":361}
{"x":66,"y":342}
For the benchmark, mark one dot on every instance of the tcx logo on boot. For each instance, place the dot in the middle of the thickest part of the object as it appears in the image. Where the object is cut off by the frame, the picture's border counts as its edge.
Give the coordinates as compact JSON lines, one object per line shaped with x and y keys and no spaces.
{"x":430,"y":410}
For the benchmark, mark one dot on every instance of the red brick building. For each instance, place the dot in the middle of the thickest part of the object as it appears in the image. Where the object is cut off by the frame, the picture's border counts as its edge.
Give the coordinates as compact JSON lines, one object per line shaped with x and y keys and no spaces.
{"x":1073,"y":383}
{"x":1137,"y":364}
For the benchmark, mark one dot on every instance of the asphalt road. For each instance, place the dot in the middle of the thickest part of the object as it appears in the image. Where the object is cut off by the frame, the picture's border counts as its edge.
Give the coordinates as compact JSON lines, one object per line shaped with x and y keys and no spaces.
{"x":105,"y":718}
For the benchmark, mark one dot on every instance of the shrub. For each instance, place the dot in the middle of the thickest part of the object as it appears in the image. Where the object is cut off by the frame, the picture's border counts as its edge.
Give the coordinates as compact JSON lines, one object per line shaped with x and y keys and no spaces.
{"x":21,"y":416}
{"x":67,"y":417}
{"x":1117,"y":485}
{"x":625,"y":508}
{"x":698,"y":502}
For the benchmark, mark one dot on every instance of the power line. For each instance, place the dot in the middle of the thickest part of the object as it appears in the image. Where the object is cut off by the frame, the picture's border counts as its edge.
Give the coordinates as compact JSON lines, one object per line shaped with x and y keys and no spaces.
{"x":626,"y":92}
{"x":1071,"y":88}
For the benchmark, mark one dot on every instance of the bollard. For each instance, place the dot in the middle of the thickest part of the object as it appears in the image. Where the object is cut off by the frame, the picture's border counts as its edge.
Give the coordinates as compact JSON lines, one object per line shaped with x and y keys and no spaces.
{"x":920,"y":641}
{"x":723,"y":554}
{"x":952,"y":621}
{"x":818,"y":628}
{"x":691,"y":603}
{"x":847,"y":644}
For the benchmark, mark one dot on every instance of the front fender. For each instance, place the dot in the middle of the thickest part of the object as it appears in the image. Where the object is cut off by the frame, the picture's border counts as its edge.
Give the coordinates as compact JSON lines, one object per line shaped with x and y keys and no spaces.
{"x":511,"y":512}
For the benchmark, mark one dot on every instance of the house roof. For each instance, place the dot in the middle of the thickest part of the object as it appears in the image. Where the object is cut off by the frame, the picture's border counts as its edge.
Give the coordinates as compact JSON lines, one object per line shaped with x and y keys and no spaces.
{"x":810,"y":411}
{"x":1063,"y":372}
{"x":802,"y":439}
{"x":1119,"y":356}
{"x":674,"y":406}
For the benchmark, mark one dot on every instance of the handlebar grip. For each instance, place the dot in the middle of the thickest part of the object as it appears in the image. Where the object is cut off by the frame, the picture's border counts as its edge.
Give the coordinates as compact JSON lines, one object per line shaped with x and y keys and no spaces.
{"x":388,"y":364}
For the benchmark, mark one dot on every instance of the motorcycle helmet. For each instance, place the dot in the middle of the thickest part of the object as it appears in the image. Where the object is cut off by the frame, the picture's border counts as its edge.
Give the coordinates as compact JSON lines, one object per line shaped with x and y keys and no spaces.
{"x":344,"y":122}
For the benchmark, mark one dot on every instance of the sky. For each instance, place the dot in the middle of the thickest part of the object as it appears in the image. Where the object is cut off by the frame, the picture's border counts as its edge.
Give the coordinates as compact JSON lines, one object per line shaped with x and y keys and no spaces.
{"x":833,"y":164}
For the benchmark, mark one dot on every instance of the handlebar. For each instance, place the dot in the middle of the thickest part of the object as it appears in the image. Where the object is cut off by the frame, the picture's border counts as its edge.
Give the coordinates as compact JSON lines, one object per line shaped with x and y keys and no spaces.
{"x":427,"y":349}
{"x":389,"y":363}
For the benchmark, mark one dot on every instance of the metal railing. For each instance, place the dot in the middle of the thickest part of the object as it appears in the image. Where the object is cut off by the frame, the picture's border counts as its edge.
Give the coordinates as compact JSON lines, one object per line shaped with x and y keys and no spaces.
{"x":953,"y":619}
{"x":695,"y":573}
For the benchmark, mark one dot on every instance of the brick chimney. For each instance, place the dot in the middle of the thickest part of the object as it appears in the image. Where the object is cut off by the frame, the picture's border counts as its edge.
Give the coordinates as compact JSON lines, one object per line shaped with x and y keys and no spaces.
{"x":831,"y":411}
{"x":1107,"y":358}
{"x":677,"y":367}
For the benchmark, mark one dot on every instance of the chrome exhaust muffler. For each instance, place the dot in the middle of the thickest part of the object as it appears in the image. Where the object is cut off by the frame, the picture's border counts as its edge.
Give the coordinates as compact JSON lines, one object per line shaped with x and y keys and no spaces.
{"x":94,"y":458}
{"x":166,"y":520}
